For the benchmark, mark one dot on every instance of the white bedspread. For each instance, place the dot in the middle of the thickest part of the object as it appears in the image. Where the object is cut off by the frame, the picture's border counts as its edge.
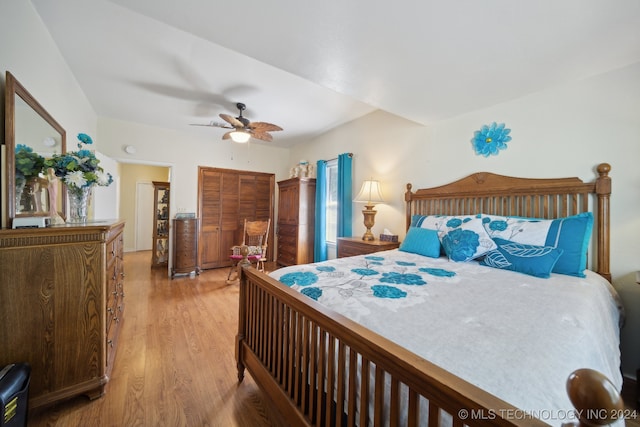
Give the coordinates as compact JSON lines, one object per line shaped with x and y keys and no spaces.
{"x":516,"y":336}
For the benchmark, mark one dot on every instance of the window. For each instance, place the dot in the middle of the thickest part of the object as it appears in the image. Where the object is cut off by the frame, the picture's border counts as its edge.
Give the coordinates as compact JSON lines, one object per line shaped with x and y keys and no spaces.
{"x":331,"y":199}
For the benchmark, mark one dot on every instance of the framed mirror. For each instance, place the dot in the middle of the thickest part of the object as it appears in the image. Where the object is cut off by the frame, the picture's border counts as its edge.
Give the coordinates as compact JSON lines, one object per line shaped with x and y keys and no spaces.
{"x":31,"y":135}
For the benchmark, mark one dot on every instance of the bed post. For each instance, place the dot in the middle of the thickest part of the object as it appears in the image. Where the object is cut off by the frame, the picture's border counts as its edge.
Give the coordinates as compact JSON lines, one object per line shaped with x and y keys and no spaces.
{"x":603,"y":191}
{"x":407,"y":198}
{"x":244,"y":250}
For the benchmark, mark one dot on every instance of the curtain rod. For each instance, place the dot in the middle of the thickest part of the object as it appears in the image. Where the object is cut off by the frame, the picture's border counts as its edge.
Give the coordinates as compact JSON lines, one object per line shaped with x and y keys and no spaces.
{"x":335,"y":158}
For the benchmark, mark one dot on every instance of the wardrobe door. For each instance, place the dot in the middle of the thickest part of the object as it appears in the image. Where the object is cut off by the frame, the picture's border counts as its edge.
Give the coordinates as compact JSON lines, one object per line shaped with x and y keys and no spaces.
{"x":218,"y":206}
{"x":256,"y":194}
{"x":225,"y":198}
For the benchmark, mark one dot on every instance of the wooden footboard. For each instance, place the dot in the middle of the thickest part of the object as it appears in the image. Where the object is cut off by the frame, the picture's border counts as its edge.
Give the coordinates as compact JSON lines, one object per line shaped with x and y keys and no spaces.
{"x":321,"y":369}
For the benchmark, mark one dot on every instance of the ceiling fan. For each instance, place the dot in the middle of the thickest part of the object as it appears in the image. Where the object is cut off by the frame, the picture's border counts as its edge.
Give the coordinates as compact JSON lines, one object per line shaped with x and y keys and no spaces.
{"x":243,"y":129}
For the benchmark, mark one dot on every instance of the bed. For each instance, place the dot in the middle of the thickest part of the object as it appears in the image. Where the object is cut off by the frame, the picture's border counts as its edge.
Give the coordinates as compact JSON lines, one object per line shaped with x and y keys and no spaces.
{"x":322,"y":343}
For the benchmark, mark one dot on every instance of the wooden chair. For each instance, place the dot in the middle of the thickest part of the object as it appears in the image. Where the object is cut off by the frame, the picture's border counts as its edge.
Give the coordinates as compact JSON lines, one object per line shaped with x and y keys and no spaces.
{"x":255,"y":237}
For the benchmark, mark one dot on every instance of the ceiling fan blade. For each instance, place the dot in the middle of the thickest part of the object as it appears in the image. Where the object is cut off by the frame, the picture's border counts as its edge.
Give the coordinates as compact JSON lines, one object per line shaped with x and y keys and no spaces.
{"x":213,"y":124}
{"x":264,"y":127}
{"x":231,"y":120}
{"x":227,"y":135}
{"x":264,"y":136}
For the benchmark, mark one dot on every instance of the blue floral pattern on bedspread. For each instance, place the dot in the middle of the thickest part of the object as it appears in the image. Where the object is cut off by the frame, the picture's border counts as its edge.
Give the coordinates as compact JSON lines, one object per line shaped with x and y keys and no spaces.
{"x":384,"y":291}
{"x":304,"y":278}
{"x":402,"y":279}
{"x":440,"y":272}
{"x":313,"y":293}
{"x":356,"y":280}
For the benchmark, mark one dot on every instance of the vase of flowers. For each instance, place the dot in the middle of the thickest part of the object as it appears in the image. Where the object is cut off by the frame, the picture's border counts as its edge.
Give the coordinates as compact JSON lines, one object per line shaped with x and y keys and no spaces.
{"x":80,"y":172}
{"x":28,"y":165}
{"x":78,"y":204}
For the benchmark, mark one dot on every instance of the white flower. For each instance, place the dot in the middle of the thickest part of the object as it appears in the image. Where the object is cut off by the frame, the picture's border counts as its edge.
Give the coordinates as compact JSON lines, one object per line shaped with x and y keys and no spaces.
{"x":75,"y":178}
{"x":102,"y":178}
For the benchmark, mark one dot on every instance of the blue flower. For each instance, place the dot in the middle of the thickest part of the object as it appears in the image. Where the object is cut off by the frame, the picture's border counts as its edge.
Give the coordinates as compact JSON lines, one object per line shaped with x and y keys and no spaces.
{"x":489,"y":140}
{"x":498,"y":225}
{"x":383,"y":291}
{"x":325,"y":268}
{"x":454,"y":222}
{"x":375,"y":263}
{"x":402,"y":279}
{"x":84,"y":139}
{"x":438,"y":272}
{"x":405,"y":263}
{"x":460,"y":244}
{"x":304,"y":278}
{"x":365,"y":271}
{"x":374,"y":258}
{"x":313,"y":293}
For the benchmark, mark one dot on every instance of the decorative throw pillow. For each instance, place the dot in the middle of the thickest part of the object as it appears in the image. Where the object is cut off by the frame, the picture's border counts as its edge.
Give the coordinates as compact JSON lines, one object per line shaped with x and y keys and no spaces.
{"x":571,"y":234}
{"x":528,"y":259}
{"x":465,"y":238}
{"x":421,"y":241}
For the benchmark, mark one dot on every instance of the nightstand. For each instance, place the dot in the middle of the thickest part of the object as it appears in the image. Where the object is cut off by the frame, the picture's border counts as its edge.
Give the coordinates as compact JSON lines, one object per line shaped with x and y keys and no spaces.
{"x":351,"y":246}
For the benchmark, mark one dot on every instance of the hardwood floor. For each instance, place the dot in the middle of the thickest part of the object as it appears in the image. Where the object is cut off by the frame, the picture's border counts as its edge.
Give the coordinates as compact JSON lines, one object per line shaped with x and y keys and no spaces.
{"x":175,"y":362}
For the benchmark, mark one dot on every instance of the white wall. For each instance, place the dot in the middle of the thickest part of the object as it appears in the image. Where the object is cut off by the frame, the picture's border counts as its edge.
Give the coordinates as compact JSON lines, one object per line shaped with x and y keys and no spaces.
{"x":563,"y":131}
{"x":30,"y":54}
{"x":184,"y":153}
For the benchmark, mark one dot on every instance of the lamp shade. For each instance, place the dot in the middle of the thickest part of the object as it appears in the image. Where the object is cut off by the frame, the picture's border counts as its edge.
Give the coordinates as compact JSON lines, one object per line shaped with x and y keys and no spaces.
{"x":369,"y":193}
{"x":239,"y":136}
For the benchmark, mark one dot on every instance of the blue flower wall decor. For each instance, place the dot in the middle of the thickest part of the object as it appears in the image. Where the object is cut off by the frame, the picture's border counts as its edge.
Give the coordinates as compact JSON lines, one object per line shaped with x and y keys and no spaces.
{"x":489,"y":140}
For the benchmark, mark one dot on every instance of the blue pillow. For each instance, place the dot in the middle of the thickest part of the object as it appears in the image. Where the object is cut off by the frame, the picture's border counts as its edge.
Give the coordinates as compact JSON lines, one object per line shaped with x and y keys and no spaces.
{"x":571,"y":234}
{"x":533,"y":260}
{"x":421,"y":241}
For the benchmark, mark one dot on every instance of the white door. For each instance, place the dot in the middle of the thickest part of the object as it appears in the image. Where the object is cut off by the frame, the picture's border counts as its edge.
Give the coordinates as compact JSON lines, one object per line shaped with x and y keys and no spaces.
{"x":144,"y":216}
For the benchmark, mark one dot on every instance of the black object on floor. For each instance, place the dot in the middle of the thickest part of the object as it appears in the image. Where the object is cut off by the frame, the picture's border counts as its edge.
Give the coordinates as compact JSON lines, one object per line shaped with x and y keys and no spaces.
{"x":14,"y":394}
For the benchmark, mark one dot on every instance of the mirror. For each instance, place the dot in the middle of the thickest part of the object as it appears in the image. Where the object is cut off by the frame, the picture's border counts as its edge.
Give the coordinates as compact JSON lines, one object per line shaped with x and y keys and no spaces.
{"x":30,"y":128}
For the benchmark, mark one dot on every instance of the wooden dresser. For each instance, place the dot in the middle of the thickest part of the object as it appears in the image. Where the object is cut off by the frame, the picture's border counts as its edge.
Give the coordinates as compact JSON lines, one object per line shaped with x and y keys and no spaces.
{"x":61,"y":306}
{"x":296,"y":220}
{"x":185,"y":246}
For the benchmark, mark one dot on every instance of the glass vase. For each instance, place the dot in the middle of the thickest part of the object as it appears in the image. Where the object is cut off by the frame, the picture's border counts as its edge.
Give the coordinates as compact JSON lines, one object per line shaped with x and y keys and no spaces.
{"x":78,"y":204}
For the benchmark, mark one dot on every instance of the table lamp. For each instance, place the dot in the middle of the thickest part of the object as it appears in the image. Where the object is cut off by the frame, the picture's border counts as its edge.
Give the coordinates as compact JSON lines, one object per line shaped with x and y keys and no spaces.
{"x":369,"y":194}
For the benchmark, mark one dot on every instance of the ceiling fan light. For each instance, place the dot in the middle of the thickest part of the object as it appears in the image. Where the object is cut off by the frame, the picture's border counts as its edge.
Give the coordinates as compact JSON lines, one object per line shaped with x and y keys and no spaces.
{"x":239,"y":136}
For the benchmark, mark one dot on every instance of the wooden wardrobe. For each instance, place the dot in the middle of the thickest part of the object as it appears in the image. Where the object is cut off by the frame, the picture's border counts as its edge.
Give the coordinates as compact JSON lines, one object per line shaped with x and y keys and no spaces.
{"x":296,"y":220}
{"x":225,"y":198}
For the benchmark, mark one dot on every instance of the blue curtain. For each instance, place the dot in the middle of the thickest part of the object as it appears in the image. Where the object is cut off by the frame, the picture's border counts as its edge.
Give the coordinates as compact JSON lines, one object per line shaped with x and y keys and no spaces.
{"x":320,"y":242}
{"x":345,"y":198}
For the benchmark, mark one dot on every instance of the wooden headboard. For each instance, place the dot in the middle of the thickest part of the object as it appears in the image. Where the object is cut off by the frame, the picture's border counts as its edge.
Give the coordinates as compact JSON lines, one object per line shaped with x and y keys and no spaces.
{"x":488,"y":193}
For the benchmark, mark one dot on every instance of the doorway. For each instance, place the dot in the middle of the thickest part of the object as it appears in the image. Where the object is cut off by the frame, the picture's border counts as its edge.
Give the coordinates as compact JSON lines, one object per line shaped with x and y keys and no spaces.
{"x":135,"y":180}
{"x":144,"y":211}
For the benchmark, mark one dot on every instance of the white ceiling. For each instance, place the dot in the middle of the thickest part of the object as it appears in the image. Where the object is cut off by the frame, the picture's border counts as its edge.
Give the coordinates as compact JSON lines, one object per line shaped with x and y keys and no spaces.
{"x":311,"y":66}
